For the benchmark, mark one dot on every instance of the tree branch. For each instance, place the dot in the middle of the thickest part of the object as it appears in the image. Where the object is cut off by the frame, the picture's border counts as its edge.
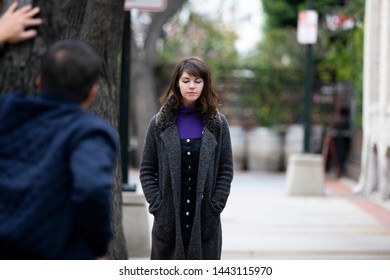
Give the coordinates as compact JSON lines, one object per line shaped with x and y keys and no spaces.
{"x":155,"y":28}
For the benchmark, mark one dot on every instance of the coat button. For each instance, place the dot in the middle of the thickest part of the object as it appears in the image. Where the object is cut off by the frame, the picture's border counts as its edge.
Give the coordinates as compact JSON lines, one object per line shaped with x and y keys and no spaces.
{"x":189,"y":166}
{"x":189,"y":153}
{"x":188,"y":140}
{"x":188,"y":201}
{"x":187,"y":213}
{"x":189,"y":179}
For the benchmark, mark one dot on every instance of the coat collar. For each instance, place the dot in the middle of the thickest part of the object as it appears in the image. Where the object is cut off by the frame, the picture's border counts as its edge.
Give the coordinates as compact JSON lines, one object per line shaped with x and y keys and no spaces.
{"x":167,"y":117}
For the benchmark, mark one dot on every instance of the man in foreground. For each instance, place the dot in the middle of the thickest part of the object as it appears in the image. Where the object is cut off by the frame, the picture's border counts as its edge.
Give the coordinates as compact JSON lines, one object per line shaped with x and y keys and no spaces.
{"x":56,"y":163}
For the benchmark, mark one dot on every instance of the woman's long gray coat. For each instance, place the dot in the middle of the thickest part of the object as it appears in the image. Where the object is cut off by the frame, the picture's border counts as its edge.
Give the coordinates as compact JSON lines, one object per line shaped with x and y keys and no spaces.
{"x":160,"y":175}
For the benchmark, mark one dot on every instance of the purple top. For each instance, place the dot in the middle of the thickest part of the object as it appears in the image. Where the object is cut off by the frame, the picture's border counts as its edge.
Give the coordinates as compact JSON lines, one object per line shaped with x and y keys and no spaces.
{"x":189,"y":123}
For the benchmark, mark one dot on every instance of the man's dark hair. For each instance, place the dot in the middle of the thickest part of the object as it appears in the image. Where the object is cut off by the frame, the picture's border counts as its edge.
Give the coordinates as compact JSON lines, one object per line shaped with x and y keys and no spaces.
{"x":69,"y":69}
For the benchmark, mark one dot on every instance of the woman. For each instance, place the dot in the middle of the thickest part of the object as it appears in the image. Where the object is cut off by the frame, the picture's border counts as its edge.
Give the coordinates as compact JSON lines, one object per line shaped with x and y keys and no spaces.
{"x":186,"y":167}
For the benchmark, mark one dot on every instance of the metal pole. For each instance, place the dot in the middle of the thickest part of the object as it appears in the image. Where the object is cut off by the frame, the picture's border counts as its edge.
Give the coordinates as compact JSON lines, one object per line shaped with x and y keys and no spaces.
{"x":124,"y":102}
{"x":308,"y":92}
{"x":308,"y":98}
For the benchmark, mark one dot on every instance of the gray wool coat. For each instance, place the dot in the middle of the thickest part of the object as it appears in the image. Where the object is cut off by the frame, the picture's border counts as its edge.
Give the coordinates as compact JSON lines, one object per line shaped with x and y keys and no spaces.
{"x":160,"y":175}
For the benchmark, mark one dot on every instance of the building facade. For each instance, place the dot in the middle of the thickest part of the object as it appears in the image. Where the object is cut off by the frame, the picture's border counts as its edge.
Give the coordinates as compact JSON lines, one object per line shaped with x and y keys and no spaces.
{"x":375,"y":162}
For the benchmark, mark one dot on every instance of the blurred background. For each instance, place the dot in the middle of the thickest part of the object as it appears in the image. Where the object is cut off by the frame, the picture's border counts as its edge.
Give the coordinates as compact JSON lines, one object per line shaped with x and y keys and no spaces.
{"x":259,"y":73}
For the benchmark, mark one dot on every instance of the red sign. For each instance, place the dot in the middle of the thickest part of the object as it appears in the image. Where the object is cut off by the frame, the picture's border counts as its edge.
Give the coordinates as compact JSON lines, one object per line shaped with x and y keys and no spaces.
{"x":146,"y":5}
{"x":307,"y":27}
{"x":339,"y":21}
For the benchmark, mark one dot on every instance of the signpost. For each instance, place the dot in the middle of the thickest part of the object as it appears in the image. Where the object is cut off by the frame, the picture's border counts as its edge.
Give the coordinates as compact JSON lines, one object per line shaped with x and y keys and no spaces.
{"x":307,"y":27}
{"x":144,"y":5}
{"x":305,"y":174}
{"x":307,"y":35}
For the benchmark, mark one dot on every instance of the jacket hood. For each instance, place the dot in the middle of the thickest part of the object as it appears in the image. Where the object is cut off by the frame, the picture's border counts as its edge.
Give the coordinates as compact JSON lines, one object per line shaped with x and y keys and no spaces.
{"x":28,"y":108}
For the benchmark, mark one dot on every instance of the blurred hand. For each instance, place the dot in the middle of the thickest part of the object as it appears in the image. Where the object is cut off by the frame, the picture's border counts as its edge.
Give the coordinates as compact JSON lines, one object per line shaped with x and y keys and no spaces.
{"x":14,"y":22}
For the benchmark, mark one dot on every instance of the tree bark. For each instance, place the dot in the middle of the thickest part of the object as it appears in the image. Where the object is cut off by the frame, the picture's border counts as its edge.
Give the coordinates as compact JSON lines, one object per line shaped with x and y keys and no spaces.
{"x":99,"y":22}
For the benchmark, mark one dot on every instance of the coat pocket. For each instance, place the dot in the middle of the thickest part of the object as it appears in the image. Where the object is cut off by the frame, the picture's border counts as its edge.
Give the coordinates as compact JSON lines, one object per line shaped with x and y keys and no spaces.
{"x":210,"y":221}
{"x":164,"y":222}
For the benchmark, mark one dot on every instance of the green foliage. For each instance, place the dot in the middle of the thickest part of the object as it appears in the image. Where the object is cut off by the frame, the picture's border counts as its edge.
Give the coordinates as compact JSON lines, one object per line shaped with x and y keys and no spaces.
{"x":279,"y":59}
{"x":280,"y":14}
{"x":276,"y":92}
{"x":284,"y":13}
{"x":357,"y":74}
{"x":279,"y":77}
{"x":200,"y":37}
{"x":343,"y":56}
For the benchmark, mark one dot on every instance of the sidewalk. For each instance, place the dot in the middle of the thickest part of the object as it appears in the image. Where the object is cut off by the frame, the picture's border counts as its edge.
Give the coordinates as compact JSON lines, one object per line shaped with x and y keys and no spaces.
{"x":261,"y":221}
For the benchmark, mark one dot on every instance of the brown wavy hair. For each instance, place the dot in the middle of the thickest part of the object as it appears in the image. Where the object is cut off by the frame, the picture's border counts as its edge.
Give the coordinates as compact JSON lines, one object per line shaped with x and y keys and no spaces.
{"x":208,"y":100}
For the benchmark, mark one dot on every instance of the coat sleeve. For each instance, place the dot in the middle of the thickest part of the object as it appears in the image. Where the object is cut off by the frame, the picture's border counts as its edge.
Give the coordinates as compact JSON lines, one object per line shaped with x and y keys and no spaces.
{"x":149,"y":168}
{"x":225,"y":170}
{"x":92,"y":163}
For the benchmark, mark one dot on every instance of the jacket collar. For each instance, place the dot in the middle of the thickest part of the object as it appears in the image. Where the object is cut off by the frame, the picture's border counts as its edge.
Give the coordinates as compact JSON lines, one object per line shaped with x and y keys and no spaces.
{"x":167,"y":117}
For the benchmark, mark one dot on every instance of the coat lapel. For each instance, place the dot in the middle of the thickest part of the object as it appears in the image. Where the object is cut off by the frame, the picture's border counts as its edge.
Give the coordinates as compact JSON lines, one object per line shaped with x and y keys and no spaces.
{"x":205,"y":157}
{"x":171,"y":140}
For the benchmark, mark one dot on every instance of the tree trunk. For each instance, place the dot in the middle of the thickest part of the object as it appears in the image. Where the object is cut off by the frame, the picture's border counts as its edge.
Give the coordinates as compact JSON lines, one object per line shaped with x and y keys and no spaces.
{"x":99,"y":22}
{"x":143,"y":88}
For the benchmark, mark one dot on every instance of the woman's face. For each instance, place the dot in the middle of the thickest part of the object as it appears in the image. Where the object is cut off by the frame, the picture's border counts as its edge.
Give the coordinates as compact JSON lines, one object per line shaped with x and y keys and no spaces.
{"x":190,"y":88}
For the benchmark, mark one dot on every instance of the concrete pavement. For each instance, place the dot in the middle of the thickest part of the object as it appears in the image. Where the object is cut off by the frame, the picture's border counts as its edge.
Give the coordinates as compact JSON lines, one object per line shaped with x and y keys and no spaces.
{"x":261,"y":221}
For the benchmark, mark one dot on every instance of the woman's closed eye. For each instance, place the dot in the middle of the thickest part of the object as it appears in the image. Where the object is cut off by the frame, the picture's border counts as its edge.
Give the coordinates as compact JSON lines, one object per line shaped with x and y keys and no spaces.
{"x":196,"y":81}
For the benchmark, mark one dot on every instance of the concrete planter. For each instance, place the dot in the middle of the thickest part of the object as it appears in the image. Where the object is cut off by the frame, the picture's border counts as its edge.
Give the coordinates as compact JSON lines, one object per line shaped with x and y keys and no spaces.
{"x":305,"y":175}
{"x":135,"y":219}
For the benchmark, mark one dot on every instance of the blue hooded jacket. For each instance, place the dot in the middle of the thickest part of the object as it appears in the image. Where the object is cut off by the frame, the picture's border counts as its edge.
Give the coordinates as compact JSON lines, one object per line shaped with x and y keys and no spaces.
{"x":56,"y":178}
